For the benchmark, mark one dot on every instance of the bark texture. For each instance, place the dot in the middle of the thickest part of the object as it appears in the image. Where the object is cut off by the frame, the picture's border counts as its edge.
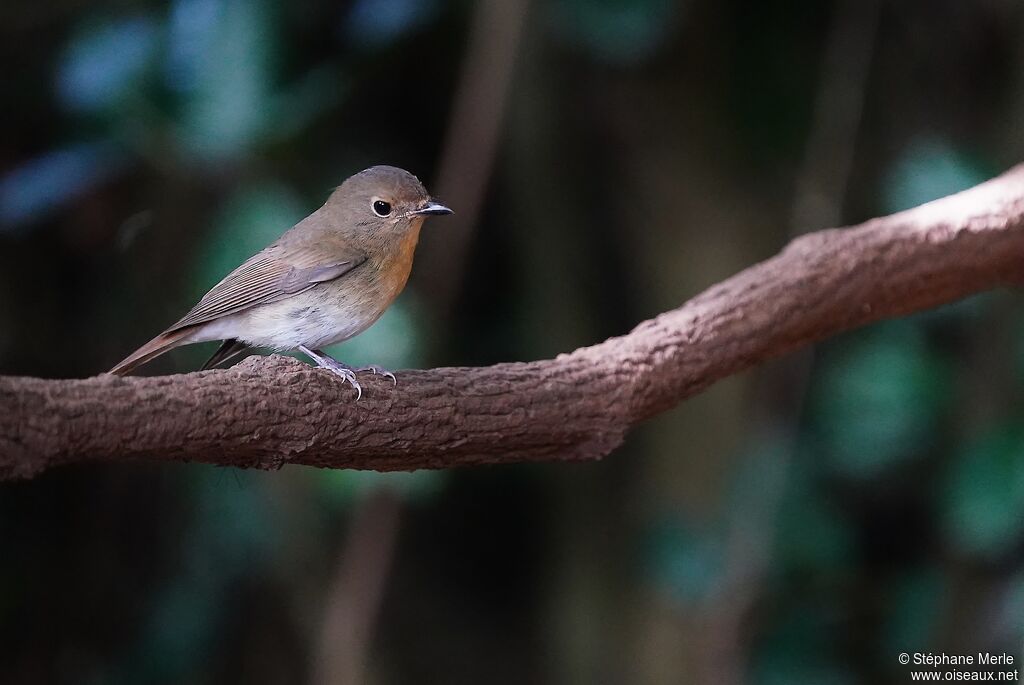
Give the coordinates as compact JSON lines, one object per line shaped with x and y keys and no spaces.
{"x":271,"y":411}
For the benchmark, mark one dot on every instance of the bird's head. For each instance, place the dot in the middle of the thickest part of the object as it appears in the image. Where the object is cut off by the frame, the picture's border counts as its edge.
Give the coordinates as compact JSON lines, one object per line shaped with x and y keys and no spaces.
{"x":383,"y":201}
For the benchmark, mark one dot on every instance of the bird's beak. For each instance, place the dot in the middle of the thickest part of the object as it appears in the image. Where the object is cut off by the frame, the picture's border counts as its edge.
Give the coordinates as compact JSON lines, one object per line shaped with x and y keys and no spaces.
{"x":432,"y":209}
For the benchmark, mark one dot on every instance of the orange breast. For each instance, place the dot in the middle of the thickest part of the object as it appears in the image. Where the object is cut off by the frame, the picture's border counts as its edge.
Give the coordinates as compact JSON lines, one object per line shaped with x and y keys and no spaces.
{"x":396,"y":263}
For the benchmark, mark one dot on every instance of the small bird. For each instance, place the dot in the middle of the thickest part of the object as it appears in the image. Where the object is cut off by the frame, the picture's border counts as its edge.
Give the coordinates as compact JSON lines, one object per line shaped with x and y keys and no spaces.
{"x":325,"y":280}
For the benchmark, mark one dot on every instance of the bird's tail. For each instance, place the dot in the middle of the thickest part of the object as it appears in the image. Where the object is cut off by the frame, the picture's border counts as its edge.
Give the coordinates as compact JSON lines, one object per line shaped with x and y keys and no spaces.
{"x":154,"y":348}
{"x":230,"y":349}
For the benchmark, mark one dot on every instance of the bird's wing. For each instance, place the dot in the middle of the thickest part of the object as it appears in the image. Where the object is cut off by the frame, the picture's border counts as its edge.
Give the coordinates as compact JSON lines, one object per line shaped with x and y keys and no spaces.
{"x":267,"y":277}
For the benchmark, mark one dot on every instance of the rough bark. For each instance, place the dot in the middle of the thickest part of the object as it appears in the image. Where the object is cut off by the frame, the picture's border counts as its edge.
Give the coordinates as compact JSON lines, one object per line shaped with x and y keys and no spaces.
{"x":271,"y":411}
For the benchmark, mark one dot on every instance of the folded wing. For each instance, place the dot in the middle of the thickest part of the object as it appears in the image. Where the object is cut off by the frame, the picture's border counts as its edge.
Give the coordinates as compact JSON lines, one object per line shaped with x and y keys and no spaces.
{"x":264,"y":278}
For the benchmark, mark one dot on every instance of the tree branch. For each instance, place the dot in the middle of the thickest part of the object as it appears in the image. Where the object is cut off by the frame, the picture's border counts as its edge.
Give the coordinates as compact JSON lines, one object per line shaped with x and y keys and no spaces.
{"x":271,"y":411}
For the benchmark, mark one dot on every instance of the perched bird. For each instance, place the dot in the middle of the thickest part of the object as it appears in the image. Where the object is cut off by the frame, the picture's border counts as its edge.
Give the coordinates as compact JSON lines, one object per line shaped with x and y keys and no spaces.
{"x":325,"y":280}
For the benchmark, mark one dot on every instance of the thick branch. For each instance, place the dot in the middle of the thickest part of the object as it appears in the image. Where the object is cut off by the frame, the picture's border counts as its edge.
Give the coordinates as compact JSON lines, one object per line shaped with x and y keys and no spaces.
{"x":271,"y":411}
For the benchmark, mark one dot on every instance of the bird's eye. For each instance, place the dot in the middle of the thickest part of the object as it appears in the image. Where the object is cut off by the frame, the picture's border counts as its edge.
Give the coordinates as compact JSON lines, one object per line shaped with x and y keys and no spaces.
{"x":381,"y":208}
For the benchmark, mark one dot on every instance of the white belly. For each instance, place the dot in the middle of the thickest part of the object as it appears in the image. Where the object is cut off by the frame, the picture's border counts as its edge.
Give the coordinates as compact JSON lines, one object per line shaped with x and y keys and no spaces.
{"x":315,"y":318}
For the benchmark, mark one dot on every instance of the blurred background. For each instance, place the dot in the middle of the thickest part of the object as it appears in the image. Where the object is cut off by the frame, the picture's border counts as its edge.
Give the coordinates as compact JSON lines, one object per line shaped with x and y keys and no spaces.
{"x":607,"y":160}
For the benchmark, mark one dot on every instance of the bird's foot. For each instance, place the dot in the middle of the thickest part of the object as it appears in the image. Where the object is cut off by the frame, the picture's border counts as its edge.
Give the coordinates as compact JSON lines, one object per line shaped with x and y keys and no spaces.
{"x":326,"y":361}
{"x":375,"y":370}
{"x":339,"y":369}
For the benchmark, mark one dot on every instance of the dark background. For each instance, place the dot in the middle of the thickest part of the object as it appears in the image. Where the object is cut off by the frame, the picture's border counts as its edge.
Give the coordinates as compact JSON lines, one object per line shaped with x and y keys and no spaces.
{"x":607,"y":160}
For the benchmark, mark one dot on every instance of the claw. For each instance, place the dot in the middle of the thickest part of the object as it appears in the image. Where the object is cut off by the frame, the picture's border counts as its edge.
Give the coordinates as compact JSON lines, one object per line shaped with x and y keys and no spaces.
{"x":347,"y":375}
{"x":325,"y":361}
{"x":374,"y":369}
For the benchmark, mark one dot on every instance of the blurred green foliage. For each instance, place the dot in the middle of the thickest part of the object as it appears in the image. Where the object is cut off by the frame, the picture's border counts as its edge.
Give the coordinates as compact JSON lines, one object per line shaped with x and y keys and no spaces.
{"x":684,"y":561}
{"x":250,"y":220}
{"x":622,"y":32}
{"x":880,"y":401}
{"x":927,"y":170}
{"x":984,"y":500}
{"x":814,"y":534}
{"x":916,"y":598}
{"x":106,"y":62}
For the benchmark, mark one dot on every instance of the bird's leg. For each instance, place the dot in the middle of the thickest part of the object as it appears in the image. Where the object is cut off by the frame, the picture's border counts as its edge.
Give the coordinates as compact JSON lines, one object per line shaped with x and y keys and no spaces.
{"x":325,"y":361}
